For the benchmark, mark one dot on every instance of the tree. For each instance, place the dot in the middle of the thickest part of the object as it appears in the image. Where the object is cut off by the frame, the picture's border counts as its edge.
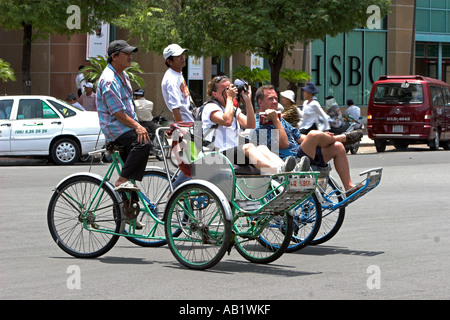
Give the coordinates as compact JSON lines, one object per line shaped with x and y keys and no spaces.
{"x":253,"y":77}
{"x":268,"y":28}
{"x":294,"y":77}
{"x":41,"y":18}
{"x":6,"y":72}
{"x":93,"y":72}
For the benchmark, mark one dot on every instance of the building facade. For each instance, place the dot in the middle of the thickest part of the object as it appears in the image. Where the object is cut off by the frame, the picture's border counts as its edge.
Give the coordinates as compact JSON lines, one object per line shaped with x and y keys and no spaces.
{"x":413,"y":39}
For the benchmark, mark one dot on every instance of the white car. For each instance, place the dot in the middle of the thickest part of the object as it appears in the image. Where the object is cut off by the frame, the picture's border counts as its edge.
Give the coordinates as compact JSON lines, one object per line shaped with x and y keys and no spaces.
{"x":46,"y":126}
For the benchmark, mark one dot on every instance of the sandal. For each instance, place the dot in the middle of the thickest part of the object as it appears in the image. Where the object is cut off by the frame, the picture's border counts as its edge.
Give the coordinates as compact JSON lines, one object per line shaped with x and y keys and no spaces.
{"x":353,"y":137}
{"x":127,"y":186}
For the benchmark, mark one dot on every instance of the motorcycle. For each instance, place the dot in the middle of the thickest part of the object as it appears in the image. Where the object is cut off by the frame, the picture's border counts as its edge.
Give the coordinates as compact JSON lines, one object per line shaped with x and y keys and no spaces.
{"x":351,"y":124}
{"x":151,"y":126}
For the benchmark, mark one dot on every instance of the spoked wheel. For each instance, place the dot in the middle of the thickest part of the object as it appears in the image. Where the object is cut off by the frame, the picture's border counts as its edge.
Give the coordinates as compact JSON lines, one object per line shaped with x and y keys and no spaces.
{"x":155,"y":190}
{"x":331,"y":220}
{"x":307,"y":221}
{"x":270,"y":244}
{"x":197,"y":231}
{"x":76,"y":220}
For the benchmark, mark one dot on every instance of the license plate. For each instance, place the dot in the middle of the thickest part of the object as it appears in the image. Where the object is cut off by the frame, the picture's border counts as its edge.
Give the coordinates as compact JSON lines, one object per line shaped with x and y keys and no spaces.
{"x":298,"y":183}
{"x":397,"y":128}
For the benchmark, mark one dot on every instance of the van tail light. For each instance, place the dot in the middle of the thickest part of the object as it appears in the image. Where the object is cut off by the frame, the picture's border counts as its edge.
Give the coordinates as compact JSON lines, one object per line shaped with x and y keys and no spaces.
{"x":369,"y":117}
{"x":428,"y":116}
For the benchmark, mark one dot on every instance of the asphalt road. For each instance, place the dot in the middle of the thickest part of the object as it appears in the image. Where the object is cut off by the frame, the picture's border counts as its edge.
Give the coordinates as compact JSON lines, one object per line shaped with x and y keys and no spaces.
{"x":394,"y":244}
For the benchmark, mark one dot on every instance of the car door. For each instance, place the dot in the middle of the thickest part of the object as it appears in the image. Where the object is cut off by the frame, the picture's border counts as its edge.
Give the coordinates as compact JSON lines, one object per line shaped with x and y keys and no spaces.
{"x":36,"y":124}
{"x":5,"y":125}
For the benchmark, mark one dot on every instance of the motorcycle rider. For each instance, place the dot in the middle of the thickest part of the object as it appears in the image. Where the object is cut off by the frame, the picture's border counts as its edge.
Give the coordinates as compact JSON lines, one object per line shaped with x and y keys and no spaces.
{"x":337,"y":123}
{"x":144,"y":109}
{"x":354,"y":112}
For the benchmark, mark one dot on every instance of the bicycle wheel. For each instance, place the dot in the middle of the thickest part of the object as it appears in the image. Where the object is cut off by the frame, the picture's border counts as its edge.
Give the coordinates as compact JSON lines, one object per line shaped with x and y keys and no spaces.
{"x":198,"y":212}
{"x":307,"y":221}
{"x":331,"y":220}
{"x":270,"y":244}
{"x":155,"y":190}
{"x":77,"y":233}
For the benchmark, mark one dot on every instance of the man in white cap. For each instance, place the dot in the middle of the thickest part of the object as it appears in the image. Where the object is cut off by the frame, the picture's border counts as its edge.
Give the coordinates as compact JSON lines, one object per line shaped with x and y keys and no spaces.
{"x":174,"y":89}
{"x":89,"y":99}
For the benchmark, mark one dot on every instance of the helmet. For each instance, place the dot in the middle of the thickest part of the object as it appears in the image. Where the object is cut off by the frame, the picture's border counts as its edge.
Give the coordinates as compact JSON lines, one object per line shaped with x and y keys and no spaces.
{"x":139,"y":92}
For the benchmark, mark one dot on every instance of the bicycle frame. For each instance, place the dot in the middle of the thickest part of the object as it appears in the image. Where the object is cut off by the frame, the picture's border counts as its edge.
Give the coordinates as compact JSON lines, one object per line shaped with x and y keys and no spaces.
{"x":115,"y":166}
{"x":273,"y":195}
{"x":329,"y":199}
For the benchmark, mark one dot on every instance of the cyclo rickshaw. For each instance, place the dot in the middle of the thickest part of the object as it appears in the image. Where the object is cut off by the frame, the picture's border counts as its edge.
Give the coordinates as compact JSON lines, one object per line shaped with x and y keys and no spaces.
{"x":220,"y":207}
{"x":226,"y":205}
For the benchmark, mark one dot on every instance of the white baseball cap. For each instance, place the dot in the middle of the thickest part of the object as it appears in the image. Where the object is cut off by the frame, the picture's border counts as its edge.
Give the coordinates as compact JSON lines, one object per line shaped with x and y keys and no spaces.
{"x":289,"y":94}
{"x":173,"y":50}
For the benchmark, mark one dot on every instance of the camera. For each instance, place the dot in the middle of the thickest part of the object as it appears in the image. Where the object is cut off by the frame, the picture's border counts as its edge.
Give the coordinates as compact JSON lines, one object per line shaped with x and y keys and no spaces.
{"x":241,"y":85}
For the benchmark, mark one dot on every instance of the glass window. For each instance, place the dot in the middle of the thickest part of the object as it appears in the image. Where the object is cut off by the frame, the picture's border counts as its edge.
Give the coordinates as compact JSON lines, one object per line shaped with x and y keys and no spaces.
{"x":447,"y":96}
{"x":437,"y":97}
{"x":5,"y":109}
{"x":66,"y":112}
{"x":35,"y":109}
{"x":398,"y":93}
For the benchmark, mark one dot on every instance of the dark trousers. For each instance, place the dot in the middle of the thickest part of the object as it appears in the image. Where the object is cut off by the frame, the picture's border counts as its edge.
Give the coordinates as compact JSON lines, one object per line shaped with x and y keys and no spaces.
{"x":134,"y":155}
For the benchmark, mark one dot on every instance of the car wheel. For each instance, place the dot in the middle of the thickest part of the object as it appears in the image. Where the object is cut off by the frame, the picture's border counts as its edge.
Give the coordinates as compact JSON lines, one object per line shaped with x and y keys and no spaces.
{"x":65,"y":151}
{"x":380,"y":145}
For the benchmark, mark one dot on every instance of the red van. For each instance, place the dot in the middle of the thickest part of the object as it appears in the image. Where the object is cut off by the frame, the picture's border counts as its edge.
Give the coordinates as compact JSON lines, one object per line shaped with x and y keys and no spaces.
{"x":406,"y":110}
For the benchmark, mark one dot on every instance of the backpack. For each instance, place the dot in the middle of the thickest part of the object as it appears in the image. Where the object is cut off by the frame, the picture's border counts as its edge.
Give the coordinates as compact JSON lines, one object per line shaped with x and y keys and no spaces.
{"x":199,"y":139}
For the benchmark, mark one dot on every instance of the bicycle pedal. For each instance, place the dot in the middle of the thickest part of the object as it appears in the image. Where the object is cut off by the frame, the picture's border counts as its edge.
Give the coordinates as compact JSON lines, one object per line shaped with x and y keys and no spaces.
{"x":95,"y":226}
{"x":137,"y":224}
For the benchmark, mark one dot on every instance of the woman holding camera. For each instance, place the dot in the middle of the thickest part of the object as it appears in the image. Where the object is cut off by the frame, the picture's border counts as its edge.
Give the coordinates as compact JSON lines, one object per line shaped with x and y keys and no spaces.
{"x":222,"y":121}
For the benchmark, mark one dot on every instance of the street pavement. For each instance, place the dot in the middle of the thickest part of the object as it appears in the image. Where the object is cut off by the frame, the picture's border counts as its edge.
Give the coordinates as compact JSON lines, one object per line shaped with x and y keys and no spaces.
{"x":394,"y":244}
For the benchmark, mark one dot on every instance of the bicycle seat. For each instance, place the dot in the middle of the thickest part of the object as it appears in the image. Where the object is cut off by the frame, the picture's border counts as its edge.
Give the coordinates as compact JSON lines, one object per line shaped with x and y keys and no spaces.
{"x":113,"y":146}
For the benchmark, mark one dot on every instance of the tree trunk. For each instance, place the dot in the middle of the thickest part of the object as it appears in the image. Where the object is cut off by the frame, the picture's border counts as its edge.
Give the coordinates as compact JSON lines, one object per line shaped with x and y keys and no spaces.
{"x":275,"y":63}
{"x":26,"y":58}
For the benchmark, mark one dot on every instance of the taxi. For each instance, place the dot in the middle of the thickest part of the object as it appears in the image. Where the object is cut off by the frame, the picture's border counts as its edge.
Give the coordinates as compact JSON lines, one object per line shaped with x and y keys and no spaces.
{"x":46,"y":126}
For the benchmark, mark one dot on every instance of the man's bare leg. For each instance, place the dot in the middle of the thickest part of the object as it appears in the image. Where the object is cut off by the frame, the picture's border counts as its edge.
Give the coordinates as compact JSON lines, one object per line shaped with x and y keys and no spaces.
{"x":337,"y":152}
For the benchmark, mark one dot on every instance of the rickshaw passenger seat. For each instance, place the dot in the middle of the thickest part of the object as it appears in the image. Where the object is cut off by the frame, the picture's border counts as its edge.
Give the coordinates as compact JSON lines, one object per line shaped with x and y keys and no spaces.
{"x":246,"y":170}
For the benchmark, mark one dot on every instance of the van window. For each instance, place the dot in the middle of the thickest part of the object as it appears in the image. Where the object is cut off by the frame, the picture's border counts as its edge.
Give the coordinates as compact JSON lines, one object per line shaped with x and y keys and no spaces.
{"x":436,"y":96}
{"x":447,"y":96}
{"x":395,"y":93}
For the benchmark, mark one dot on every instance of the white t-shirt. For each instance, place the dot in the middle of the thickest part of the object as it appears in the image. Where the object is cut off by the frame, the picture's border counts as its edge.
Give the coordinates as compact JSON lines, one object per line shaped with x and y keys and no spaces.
{"x":314,"y":114}
{"x":80,"y":82}
{"x":176,"y":94}
{"x":225,"y":137}
{"x":143,"y":109}
{"x":355,"y":112}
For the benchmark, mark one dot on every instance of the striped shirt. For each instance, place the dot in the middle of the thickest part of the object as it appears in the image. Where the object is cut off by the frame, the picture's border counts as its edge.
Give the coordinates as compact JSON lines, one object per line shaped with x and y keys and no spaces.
{"x":113,"y":95}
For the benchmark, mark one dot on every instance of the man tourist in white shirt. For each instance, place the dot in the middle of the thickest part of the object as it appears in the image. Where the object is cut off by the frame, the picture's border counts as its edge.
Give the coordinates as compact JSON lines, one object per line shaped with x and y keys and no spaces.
{"x":174,"y":89}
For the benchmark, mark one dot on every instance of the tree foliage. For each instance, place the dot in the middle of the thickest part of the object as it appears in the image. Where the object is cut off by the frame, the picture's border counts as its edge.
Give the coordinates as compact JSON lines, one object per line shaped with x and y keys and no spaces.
{"x":41,"y":18}
{"x":268,"y":28}
{"x":93,"y":71}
